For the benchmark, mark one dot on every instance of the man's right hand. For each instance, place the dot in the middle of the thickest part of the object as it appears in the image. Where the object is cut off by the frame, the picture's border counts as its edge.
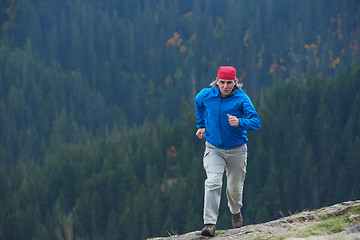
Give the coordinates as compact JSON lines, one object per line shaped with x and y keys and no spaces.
{"x":200,"y":133}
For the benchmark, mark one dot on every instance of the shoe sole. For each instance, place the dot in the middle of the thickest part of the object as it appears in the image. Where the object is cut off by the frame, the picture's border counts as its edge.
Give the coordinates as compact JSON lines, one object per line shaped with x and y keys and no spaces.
{"x":207,"y":233}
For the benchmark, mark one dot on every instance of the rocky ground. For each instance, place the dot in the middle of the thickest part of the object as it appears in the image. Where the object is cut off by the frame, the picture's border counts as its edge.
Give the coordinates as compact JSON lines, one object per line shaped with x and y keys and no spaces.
{"x":289,"y":227}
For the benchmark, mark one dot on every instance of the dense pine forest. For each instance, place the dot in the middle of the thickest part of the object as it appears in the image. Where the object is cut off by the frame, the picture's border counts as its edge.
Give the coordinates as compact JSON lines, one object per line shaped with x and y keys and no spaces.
{"x":97,"y":122}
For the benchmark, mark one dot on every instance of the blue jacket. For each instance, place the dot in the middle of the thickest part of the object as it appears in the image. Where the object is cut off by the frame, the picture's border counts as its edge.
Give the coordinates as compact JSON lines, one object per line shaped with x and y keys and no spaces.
{"x":211,"y":113}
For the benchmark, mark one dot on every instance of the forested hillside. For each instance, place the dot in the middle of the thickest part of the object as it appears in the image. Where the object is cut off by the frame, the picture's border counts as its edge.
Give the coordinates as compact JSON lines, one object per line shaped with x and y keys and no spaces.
{"x":97,"y":125}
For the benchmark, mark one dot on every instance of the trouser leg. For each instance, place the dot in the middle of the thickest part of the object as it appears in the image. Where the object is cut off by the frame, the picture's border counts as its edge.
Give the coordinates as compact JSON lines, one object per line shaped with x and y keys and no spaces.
{"x":212,"y":197}
{"x":235,"y":172}
{"x":214,"y":166}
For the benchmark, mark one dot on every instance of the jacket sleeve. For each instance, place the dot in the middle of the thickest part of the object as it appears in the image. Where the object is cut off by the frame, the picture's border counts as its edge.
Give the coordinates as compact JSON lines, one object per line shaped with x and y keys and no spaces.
{"x":252,"y":120}
{"x":200,"y":110}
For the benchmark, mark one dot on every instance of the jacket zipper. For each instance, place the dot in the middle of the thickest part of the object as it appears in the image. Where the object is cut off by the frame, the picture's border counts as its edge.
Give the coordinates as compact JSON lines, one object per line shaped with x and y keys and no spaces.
{"x":221,"y":131}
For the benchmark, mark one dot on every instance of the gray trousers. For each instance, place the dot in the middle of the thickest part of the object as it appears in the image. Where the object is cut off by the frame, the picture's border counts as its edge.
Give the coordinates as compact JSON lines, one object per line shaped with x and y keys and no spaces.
{"x":215,"y":162}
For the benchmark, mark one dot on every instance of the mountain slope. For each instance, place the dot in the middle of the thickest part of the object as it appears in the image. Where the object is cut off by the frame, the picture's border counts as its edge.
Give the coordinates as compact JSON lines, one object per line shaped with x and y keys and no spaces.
{"x":339,"y":221}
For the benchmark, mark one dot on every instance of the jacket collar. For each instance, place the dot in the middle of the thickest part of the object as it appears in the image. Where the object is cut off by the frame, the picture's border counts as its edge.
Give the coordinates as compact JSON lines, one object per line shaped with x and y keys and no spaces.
{"x":217,"y":90}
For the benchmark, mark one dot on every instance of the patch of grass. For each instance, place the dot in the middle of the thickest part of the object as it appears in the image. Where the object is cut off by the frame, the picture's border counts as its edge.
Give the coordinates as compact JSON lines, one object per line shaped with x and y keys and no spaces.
{"x":284,"y":236}
{"x":325,"y":224}
{"x":300,"y":219}
{"x":355,"y":210}
{"x":258,"y":238}
{"x":218,"y":232}
{"x":328,"y":226}
{"x":172,"y":233}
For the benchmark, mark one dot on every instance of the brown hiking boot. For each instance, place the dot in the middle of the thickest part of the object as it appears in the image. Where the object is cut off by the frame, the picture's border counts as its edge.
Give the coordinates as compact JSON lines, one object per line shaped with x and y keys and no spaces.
{"x":208,"y":230}
{"x":237,"y":220}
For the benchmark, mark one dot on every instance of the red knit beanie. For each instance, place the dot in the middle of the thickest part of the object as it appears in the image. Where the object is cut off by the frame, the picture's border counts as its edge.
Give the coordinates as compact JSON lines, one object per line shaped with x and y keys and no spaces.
{"x":226,"y":73}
